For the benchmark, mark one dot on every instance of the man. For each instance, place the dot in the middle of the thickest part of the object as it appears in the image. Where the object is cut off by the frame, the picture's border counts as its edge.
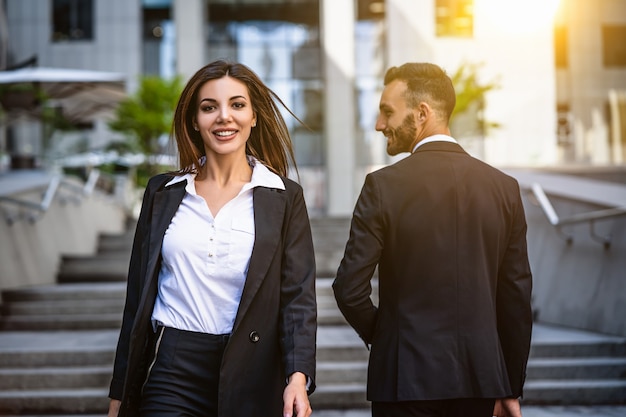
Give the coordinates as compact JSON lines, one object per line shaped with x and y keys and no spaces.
{"x":451,"y":333}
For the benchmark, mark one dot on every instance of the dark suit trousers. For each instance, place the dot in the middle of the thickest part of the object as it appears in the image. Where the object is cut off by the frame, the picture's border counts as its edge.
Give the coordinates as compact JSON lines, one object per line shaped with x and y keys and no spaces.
{"x":465,"y":407}
{"x":184,"y":377}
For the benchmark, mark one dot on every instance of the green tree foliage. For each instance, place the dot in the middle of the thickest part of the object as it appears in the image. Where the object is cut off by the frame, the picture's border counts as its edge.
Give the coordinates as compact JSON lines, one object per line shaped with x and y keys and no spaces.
{"x":144,"y":117}
{"x":147,"y":115}
{"x":470,"y":93}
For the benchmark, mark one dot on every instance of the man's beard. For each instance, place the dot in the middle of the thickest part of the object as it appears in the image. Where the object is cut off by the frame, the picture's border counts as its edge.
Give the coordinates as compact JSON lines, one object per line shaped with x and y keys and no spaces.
{"x":401,"y":138}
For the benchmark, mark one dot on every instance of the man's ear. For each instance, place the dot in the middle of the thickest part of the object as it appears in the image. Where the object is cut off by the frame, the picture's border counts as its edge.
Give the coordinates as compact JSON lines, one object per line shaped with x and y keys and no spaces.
{"x":423,"y":111}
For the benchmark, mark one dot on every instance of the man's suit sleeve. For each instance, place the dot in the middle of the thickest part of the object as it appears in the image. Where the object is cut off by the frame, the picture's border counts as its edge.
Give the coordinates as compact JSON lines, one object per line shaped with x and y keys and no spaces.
{"x":514,"y":301}
{"x":352,"y":285}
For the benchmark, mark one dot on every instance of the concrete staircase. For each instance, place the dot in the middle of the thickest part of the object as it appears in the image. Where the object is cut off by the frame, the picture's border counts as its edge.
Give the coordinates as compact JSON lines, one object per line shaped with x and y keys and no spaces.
{"x":57,"y":345}
{"x":110,"y":263}
{"x":573,"y":367}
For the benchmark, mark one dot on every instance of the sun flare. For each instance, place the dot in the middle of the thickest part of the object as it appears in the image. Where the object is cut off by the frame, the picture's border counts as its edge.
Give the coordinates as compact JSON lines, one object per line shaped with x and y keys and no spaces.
{"x":518,"y":17}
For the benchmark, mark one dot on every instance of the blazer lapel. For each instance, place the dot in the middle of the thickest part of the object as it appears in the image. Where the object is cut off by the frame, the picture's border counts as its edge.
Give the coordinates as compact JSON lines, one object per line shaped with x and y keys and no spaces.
{"x":269,"y":212}
{"x":165,"y":204}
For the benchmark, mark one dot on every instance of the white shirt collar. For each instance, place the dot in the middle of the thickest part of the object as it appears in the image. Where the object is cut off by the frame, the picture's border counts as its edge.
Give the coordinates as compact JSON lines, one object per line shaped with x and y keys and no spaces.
{"x":434,"y":138}
{"x":261,"y":177}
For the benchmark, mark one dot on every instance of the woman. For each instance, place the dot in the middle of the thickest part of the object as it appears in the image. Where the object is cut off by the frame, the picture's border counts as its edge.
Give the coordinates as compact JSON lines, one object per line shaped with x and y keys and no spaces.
{"x":220,"y":314}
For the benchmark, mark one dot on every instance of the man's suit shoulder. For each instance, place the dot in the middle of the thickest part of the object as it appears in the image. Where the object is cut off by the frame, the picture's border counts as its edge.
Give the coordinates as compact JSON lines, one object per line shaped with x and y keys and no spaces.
{"x":418,"y":161}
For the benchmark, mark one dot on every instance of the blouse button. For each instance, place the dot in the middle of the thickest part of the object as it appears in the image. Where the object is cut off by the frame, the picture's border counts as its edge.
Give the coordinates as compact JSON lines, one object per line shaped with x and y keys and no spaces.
{"x":254,"y":336}
{"x":210,"y":255}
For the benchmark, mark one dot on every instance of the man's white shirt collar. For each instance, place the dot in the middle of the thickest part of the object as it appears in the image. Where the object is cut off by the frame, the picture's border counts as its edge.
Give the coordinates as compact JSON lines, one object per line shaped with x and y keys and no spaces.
{"x":434,"y":138}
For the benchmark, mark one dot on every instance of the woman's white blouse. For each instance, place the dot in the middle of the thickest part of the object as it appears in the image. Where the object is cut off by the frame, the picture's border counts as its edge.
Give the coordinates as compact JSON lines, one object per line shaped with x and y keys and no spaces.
{"x":205,"y":259}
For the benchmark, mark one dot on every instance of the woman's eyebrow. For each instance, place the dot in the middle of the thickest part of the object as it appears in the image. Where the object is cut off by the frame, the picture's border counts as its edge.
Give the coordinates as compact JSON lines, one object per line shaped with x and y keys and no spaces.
{"x":231,"y":99}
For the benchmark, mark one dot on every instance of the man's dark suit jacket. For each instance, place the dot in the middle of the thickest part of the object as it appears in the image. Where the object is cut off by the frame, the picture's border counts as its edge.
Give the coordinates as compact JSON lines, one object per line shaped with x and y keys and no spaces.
{"x":274,"y":333}
{"x":448,"y":234}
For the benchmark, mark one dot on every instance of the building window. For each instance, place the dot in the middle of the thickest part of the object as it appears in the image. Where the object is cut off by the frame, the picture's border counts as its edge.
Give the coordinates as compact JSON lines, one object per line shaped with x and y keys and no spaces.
{"x":370,"y":10}
{"x":613,"y":46}
{"x":72,"y":20}
{"x":454,"y":18}
{"x":158,"y":39}
{"x":280,"y":41}
{"x":560,"y":47}
{"x":564,"y":124}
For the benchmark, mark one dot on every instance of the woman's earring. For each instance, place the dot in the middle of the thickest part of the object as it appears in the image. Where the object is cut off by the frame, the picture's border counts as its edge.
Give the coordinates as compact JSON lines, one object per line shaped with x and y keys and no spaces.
{"x":196,"y":128}
{"x":253,"y":124}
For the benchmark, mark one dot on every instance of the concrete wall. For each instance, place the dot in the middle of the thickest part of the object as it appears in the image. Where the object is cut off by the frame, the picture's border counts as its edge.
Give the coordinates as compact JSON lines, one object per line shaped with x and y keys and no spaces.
{"x":579,"y":284}
{"x":30,"y":252}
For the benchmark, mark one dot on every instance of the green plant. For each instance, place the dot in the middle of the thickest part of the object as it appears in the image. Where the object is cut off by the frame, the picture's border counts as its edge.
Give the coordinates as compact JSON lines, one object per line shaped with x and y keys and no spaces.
{"x":147,"y":115}
{"x":470,"y":94}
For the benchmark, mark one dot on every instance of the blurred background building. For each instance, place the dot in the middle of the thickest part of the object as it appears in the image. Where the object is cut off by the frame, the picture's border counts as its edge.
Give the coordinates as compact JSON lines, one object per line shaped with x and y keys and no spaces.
{"x":559,"y":67}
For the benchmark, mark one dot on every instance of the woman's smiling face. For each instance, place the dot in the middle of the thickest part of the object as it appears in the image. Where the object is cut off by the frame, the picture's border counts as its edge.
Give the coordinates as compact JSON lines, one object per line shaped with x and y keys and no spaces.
{"x":225,"y":116}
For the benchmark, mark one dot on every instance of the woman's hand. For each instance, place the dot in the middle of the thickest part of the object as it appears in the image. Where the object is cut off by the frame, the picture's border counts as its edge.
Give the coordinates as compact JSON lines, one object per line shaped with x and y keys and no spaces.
{"x":295,"y":397}
{"x":507,"y":407}
{"x":114,"y":408}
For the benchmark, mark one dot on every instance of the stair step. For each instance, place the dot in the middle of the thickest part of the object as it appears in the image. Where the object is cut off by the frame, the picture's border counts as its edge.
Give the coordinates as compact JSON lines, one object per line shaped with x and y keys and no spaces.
{"x":330,"y":317}
{"x":74,"y":291}
{"x":324,"y":289}
{"x":46,"y":377}
{"x":563,"y":392}
{"x":57,"y":349}
{"x":71,"y":261}
{"x":576,"y":368}
{"x":109,"y":266}
{"x":79,"y":306}
{"x":51,"y":401}
{"x":338,"y":396}
{"x":27,"y":360}
{"x":102,"y":273}
{"x":67,"y":415}
{"x":62,"y":322}
{"x":340,"y":372}
{"x":340,"y":344}
{"x":587,"y":392}
{"x":116,"y":243}
{"x":568,"y":349}
{"x":326,"y":302}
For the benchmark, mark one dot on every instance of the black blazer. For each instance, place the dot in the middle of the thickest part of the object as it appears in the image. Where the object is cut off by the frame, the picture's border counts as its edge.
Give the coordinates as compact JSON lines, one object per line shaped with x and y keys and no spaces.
{"x":274,"y":333}
{"x":448,"y":234}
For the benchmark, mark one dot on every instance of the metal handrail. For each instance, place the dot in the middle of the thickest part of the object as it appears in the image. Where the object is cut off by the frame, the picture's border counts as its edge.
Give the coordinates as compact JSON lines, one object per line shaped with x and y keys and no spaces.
{"x":32,"y":210}
{"x":590,"y":217}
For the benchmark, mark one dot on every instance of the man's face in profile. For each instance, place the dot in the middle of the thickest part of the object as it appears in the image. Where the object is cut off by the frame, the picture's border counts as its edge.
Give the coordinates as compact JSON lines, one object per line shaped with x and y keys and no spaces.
{"x":395,"y":120}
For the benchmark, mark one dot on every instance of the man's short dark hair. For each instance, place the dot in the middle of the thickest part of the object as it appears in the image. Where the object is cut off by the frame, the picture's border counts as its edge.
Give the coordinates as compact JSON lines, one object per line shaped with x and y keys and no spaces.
{"x":425,"y":82}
